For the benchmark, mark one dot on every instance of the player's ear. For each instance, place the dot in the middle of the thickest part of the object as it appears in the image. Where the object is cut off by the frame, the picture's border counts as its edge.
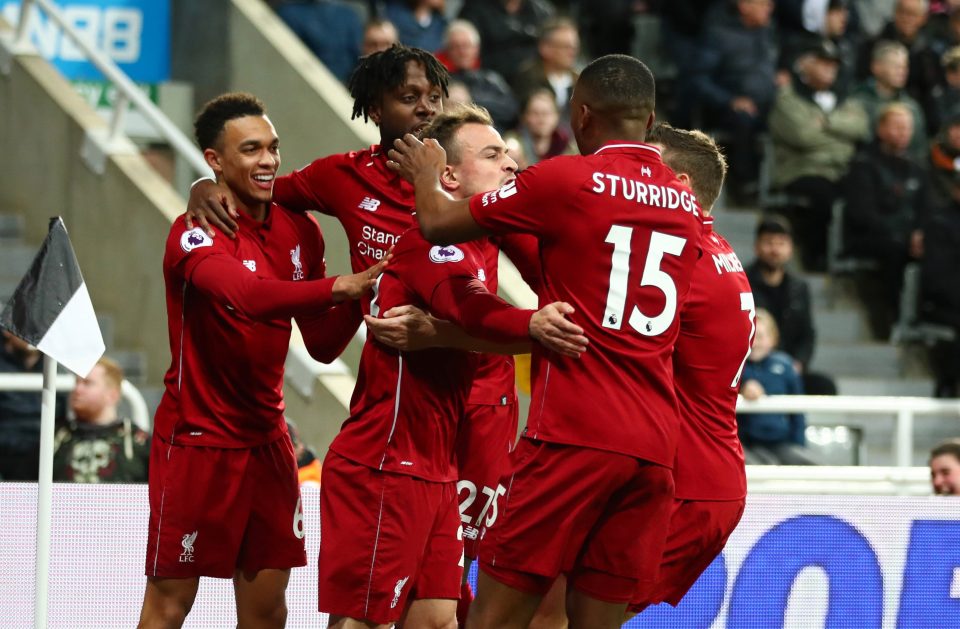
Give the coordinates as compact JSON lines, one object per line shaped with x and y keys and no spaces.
{"x":213,"y":160}
{"x":651,"y":119}
{"x":375,"y":113}
{"x":449,"y":179}
{"x":684,"y":178}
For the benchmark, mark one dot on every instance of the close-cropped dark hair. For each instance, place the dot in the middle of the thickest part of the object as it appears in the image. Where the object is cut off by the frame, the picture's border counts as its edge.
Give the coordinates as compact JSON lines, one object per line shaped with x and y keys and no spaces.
{"x":209,"y":123}
{"x":774,"y":224}
{"x":386,"y":70}
{"x":696,"y":154}
{"x":620,"y":85}
{"x":445,"y":125}
{"x":950,"y":446}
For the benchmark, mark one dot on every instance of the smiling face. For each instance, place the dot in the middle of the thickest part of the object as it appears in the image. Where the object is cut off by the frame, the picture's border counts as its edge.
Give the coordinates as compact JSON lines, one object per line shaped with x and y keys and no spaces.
{"x":945,"y":475}
{"x":246,"y":158}
{"x":483,"y":162}
{"x":408,"y":108}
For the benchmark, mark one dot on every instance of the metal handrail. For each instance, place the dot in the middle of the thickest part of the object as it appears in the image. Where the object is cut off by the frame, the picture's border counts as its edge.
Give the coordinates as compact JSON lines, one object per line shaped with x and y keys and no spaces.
{"x":904,"y":408}
{"x":66,"y":382}
{"x":129,"y":93}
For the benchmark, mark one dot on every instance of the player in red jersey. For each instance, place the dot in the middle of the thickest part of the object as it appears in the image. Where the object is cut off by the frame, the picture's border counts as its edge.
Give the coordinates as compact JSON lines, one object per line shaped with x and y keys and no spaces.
{"x":619,"y":236}
{"x":716,"y":332}
{"x":224,"y":500}
{"x":476,"y":162}
{"x":390,"y":523}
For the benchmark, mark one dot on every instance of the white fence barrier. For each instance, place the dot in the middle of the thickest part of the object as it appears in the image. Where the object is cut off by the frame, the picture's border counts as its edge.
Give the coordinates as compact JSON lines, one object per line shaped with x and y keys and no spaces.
{"x":903,"y":408}
{"x":139,"y":413}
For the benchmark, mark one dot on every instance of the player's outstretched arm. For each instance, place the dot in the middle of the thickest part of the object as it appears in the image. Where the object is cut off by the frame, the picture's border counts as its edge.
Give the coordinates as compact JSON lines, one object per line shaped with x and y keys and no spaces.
{"x":327,"y":333}
{"x":443,"y":220}
{"x":211,"y":203}
{"x":551,"y":328}
{"x":356,"y":285}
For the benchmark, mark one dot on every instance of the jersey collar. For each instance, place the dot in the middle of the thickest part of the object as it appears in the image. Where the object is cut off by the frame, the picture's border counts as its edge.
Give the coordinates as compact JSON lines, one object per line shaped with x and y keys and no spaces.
{"x":626,"y":147}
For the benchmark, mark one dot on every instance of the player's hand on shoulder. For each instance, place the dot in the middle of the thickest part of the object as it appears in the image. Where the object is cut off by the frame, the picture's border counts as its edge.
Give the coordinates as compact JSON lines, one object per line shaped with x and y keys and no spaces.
{"x":412,"y":158}
{"x":212,"y":204}
{"x":406,"y":328}
{"x":356,"y":285}
{"x":551,"y":328}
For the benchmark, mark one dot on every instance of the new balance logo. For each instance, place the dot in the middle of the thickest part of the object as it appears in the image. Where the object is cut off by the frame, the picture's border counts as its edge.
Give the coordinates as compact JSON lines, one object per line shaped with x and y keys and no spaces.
{"x":370,"y":204}
{"x":187,"y":542}
{"x":397,"y":590}
{"x":251,"y":265}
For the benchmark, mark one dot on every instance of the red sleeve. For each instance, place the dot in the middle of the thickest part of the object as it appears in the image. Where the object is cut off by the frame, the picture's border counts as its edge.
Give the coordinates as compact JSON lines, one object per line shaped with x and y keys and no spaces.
{"x":524,"y":251}
{"x":223,"y":278}
{"x":306,"y":189}
{"x":481,"y":314}
{"x":327,"y":334}
{"x":526,"y":204}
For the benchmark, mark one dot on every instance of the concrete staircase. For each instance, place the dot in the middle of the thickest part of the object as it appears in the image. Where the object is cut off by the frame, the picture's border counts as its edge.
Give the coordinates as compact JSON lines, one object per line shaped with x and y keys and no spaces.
{"x":858,"y":364}
{"x":15,"y":259}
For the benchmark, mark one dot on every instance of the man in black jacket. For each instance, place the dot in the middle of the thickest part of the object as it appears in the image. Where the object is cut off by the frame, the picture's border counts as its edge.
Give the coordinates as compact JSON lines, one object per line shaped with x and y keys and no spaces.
{"x":787,"y":298}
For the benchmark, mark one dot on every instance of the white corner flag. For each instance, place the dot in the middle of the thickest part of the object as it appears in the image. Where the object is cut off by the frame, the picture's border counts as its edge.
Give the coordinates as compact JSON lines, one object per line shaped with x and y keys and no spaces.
{"x":51,"y":308}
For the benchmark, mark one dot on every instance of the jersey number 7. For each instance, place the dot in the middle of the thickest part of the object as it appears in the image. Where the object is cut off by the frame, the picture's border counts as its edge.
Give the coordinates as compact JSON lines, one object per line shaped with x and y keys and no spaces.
{"x":660,"y":244}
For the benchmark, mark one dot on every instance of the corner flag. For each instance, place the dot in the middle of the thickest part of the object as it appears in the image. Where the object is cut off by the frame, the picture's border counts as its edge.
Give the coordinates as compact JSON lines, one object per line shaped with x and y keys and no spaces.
{"x":51,"y":307}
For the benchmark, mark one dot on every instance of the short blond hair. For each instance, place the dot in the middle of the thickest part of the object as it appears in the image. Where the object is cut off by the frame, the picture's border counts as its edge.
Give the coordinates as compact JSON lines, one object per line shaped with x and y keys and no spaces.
{"x":113,"y":371}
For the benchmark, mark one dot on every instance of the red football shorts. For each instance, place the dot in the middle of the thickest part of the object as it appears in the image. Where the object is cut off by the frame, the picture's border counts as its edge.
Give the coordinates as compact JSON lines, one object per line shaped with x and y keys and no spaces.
{"x":485,"y":439}
{"x":216,"y":510}
{"x":385,"y":539}
{"x":600,"y":517}
{"x":698,"y":532}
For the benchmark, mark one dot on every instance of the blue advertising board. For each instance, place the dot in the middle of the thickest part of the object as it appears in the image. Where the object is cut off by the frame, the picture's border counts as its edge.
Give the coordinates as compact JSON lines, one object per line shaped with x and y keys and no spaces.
{"x":135,"y":34}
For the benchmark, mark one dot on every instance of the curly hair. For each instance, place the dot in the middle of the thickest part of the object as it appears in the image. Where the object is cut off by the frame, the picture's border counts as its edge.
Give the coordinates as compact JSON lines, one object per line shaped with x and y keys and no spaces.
{"x":386,"y":70}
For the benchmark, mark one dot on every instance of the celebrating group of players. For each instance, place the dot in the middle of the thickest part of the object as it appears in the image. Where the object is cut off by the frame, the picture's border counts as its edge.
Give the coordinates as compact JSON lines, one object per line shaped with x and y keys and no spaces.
{"x":628,"y":477}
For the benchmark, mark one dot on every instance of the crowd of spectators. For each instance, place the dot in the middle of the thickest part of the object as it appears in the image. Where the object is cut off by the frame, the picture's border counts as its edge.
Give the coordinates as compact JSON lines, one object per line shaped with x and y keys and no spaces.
{"x":853,"y":104}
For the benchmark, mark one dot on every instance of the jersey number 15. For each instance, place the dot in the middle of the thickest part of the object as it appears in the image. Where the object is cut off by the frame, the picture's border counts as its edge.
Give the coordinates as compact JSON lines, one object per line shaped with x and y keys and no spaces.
{"x":660,"y":244}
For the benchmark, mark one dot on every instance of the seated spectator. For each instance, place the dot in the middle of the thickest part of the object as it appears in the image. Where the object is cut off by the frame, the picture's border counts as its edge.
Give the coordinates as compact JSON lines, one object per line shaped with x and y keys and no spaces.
{"x":947,"y":96}
{"x":787,"y":297}
{"x":939,"y":288}
{"x":608,"y":26}
{"x":309,"y":466}
{"x":461,"y":56}
{"x":378,"y":34}
{"x":771,"y":438}
{"x":832,"y":20}
{"x":553,"y":68}
{"x":945,"y":468}
{"x":457,"y":94}
{"x":681,"y":31}
{"x":420,"y":23}
{"x":735,"y":82}
{"x":329,"y":28}
{"x":888,"y":197}
{"x":815,"y":132}
{"x":539,"y":133}
{"x":20,"y":412}
{"x":908,"y":27}
{"x":889,"y":72}
{"x":508,"y":30}
{"x":97,"y":445}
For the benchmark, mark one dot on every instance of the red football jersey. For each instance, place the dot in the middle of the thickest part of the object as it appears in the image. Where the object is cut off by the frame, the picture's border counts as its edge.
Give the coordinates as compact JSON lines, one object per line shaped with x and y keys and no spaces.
{"x":406,"y":405}
{"x":716,"y":332}
{"x":375,"y":205}
{"x":224,"y":385}
{"x":619,"y":236}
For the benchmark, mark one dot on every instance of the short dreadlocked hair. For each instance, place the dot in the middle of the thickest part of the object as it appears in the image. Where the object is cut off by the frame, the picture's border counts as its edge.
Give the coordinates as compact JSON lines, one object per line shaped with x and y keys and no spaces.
{"x":218,"y":112}
{"x":386,"y":70}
